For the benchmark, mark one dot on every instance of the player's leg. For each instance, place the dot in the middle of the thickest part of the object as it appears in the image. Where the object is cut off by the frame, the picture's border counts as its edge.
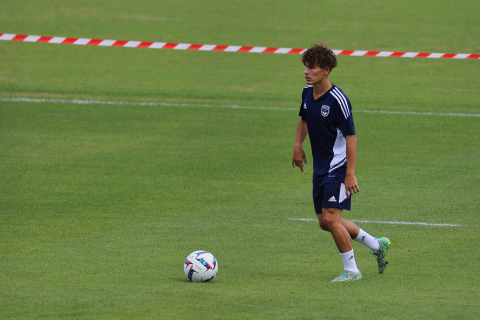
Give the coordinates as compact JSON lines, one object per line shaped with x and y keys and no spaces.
{"x":332,"y":203}
{"x":329,"y":204}
{"x":322,"y":196}
{"x":378,"y":246}
{"x":330,"y":219}
{"x":367,"y":240}
{"x":359,"y":235}
{"x":351,"y":227}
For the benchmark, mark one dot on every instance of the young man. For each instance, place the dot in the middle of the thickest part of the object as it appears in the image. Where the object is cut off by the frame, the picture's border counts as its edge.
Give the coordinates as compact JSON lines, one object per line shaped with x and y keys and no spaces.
{"x":326,"y":116}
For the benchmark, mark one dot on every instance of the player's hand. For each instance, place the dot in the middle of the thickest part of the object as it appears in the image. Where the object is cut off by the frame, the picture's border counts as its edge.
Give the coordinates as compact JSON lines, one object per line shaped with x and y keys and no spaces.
{"x":351,"y":185}
{"x":299,"y":158}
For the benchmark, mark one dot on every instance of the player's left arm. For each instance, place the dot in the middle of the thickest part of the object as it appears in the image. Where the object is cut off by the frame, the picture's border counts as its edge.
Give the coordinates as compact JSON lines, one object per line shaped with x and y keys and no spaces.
{"x":351,"y":184}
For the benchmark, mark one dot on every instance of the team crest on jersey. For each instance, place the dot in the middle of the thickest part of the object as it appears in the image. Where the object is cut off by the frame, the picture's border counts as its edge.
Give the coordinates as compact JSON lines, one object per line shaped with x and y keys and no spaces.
{"x":325,"y":110}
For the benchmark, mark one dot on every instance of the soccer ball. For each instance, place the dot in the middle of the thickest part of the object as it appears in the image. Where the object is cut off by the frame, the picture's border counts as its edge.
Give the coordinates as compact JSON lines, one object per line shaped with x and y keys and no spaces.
{"x":200,"y":266}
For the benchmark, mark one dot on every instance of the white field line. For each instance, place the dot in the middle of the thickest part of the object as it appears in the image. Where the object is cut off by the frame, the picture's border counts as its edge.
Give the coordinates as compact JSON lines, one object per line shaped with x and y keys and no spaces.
{"x":170,"y":104}
{"x":393,"y":222}
{"x":421,"y":113}
{"x":165,"y":104}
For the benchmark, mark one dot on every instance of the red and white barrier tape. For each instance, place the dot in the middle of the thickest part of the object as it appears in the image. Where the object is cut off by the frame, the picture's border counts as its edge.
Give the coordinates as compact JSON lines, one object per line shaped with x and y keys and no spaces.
{"x":207,"y":47}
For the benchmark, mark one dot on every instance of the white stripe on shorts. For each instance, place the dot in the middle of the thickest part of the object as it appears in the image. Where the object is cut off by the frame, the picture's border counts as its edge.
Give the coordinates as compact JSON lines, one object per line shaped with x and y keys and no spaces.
{"x":342,"y":196}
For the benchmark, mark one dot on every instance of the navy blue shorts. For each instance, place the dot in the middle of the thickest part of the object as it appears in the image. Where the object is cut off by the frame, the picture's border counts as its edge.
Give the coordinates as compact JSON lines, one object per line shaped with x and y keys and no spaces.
{"x":330,"y":195}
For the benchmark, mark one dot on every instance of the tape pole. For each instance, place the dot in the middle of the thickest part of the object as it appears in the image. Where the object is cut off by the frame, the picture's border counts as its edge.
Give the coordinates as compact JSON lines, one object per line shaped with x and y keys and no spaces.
{"x":207,"y":47}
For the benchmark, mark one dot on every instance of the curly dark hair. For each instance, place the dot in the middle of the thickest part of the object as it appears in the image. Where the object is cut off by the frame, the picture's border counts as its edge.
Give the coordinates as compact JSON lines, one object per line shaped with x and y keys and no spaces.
{"x":319,"y":55}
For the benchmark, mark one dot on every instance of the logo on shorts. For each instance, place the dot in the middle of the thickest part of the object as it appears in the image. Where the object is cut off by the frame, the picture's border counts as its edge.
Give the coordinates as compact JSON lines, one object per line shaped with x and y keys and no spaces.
{"x":305,"y":105}
{"x":332,"y":199}
{"x":325,"y":110}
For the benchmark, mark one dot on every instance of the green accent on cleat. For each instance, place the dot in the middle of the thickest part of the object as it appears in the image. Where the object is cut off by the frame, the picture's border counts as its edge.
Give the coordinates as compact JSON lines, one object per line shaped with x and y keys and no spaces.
{"x":381,"y":254}
{"x":348,"y":276}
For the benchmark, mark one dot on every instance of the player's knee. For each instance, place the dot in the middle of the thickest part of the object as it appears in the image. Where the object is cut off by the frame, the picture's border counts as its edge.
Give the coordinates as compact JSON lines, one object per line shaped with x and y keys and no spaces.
{"x":328,"y":219}
{"x":327,"y":224}
{"x":322,"y":223}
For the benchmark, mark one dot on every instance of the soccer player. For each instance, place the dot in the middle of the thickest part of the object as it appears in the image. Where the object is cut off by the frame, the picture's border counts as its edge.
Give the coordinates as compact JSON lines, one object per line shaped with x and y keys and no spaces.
{"x":326,"y":117}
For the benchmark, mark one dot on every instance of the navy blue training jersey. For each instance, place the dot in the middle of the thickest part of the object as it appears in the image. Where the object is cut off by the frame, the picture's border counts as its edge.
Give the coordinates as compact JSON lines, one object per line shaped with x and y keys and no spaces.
{"x":329,"y":121}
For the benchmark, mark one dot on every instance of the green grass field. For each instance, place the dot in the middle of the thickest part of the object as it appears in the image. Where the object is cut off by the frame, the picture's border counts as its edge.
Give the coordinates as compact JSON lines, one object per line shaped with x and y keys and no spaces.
{"x":100,"y":203}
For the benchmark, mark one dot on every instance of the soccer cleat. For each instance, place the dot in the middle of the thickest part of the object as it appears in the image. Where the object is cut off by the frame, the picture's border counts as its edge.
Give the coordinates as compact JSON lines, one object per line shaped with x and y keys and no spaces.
{"x":381,"y":254}
{"x":348,"y":276}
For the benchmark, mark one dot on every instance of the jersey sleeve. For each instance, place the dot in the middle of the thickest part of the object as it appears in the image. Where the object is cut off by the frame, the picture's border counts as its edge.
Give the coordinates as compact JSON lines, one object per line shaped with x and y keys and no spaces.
{"x":345,"y":124}
{"x":301,"y":112}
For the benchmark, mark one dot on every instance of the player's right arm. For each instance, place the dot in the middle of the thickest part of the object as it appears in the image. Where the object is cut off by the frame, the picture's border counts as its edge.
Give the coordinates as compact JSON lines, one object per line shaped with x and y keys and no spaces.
{"x":299,"y":158}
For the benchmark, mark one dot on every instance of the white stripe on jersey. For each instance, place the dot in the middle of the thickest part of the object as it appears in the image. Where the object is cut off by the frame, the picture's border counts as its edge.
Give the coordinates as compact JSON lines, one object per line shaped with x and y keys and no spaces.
{"x":337,"y":165}
{"x":339,"y":152}
{"x":342,"y":101}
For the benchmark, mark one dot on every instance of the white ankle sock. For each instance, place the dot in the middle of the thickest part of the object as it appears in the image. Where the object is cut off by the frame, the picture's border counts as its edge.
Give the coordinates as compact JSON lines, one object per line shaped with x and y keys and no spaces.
{"x":368,"y":240}
{"x":349,"y":261}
